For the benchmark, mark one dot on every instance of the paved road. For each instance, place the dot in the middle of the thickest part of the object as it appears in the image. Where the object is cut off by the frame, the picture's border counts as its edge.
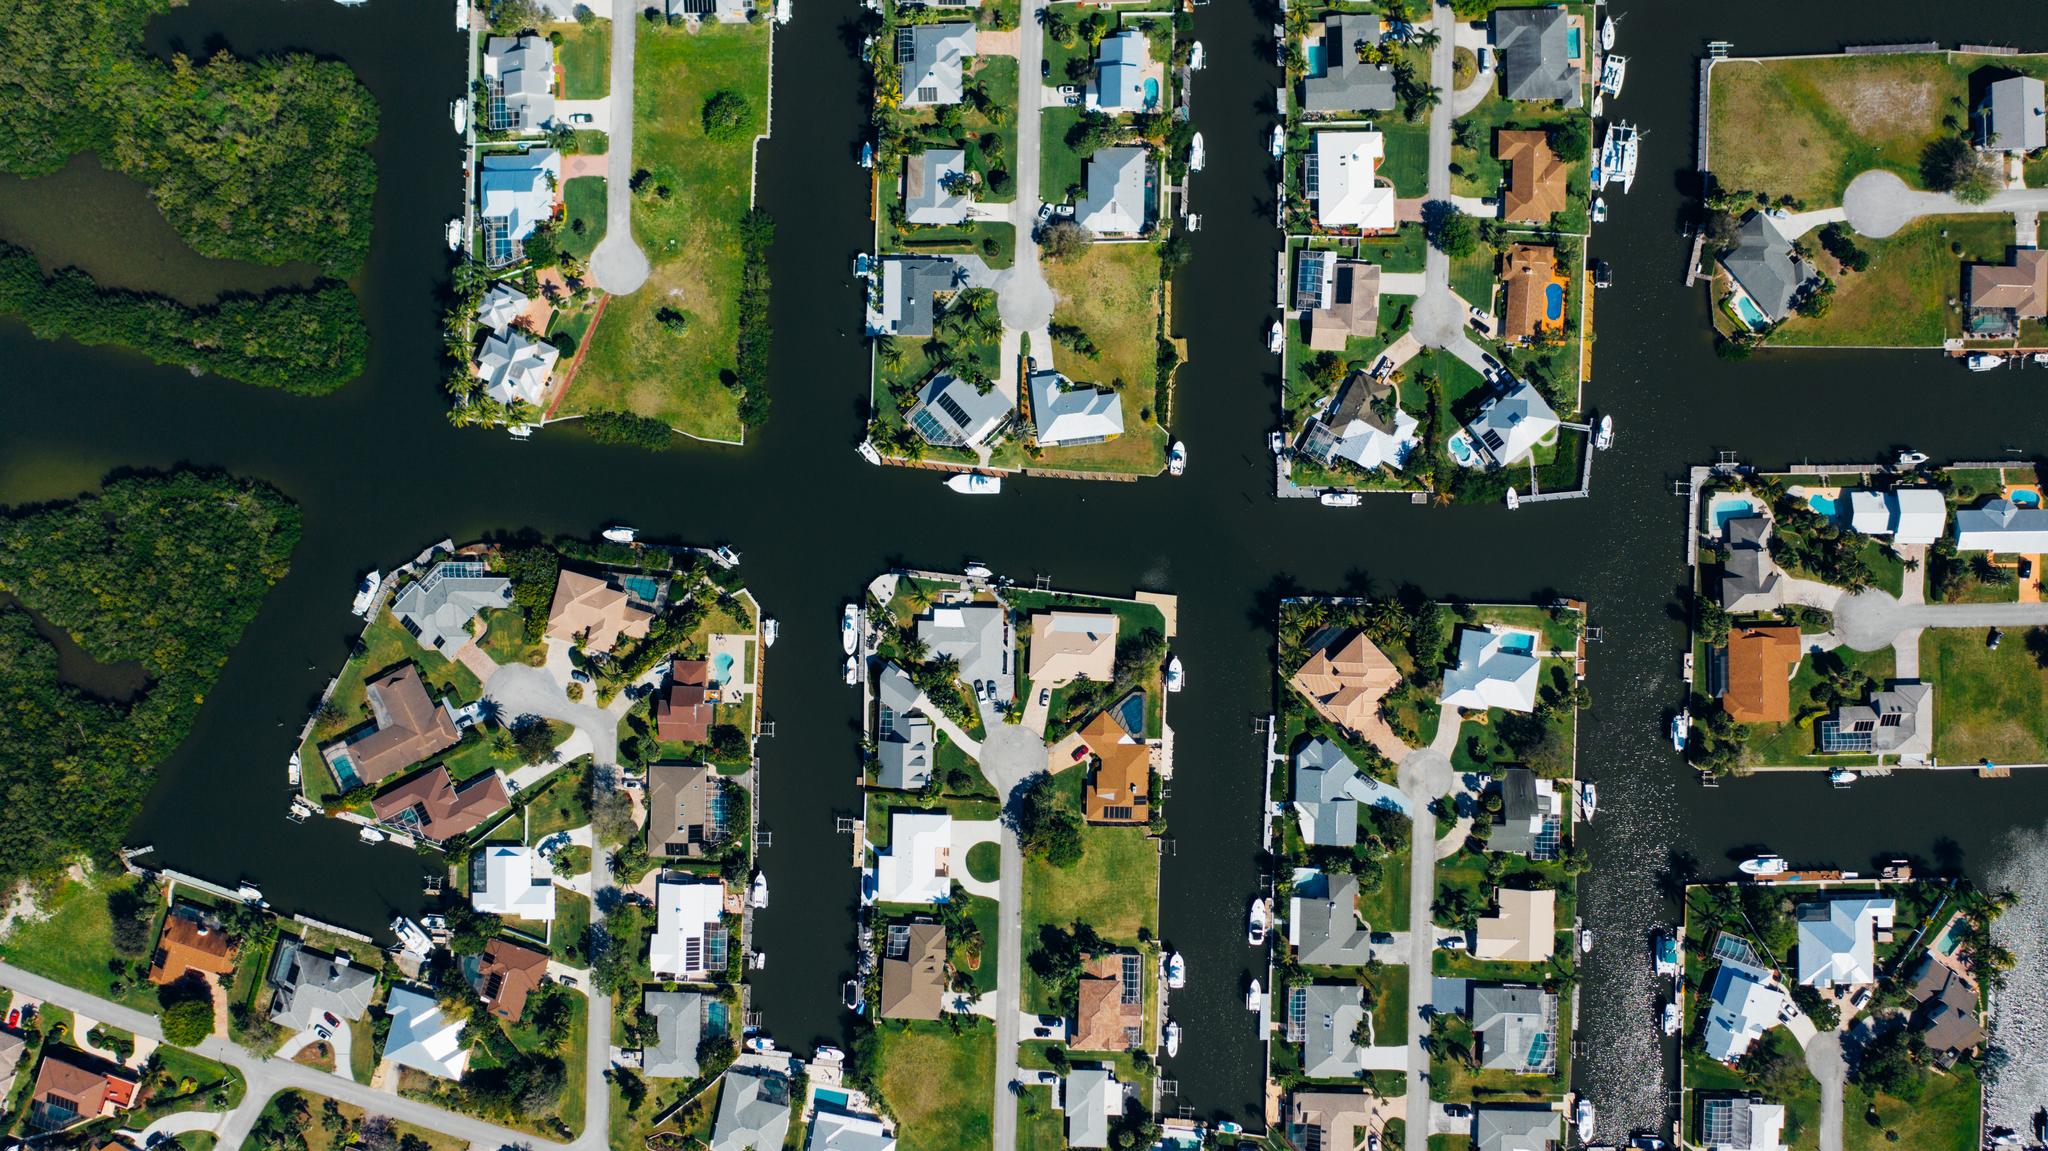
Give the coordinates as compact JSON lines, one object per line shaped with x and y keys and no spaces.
{"x":1425,"y":775}
{"x":521,"y":690}
{"x":1024,"y":299}
{"x":1871,"y":619}
{"x":618,"y":265}
{"x":1009,"y":981}
{"x":1878,"y":204}
{"x":1439,"y":319}
{"x":1824,"y":1059}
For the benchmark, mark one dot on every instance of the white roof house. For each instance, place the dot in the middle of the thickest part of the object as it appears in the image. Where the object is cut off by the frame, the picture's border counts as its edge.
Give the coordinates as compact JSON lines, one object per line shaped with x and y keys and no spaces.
{"x":917,"y":866}
{"x":1115,"y":202}
{"x":933,"y":57}
{"x":1343,"y":185}
{"x":1838,"y":940}
{"x":522,"y":72}
{"x":1742,"y":1006}
{"x":515,"y":881}
{"x":1868,"y":513}
{"x":1067,"y":413}
{"x":838,"y":1131}
{"x":502,"y":305}
{"x":515,"y":366}
{"x":423,"y":1037}
{"x":1510,"y":426}
{"x":1093,"y":1098}
{"x":687,"y":923}
{"x":1495,"y":669}
{"x":1365,"y":439}
{"x":1120,"y":67}
{"x":1908,"y":515}
{"x":2002,"y":526}
{"x":517,"y":190}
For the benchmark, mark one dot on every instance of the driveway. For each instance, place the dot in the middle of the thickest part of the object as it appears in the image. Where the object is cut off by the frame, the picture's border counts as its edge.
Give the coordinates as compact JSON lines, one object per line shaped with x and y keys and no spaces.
{"x":1824,"y":1059}
{"x":521,"y":690}
{"x":1871,"y":619}
{"x":1878,"y":203}
{"x":1024,"y":299}
{"x":1425,"y":775}
{"x":343,"y":1043}
{"x":618,"y":265}
{"x":599,"y":111}
{"x":968,"y":834}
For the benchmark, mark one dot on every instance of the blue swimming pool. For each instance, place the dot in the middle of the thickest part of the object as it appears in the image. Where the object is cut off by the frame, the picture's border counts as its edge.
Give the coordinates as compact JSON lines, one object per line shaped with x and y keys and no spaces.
{"x":1825,"y":505}
{"x":2025,"y":498}
{"x":642,"y":587}
{"x":345,"y":773}
{"x":1130,"y":713}
{"x":1553,"y":302}
{"x":1747,"y":311}
{"x":828,"y":1096}
{"x":715,"y":1017}
{"x":721,"y":668}
{"x":1518,"y":643}
{"x":1572,"y":42}
{"x":1314,"y":52}
{"x":1460,"y":450}
{"x":1539,"y":1050}
{"x":1733,"y":508}
{"x":1151,"y":92}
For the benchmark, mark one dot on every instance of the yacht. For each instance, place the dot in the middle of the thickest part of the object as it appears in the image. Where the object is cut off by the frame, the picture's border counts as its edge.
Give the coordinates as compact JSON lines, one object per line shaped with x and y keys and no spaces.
{"x":784,"y":11}
{"x":1583,"y":1119}
{"x":757,"y":895}
{"x":1174,"y":679}
{"x":853,"y":671}
{"x":1604,"y":438}
{"x":1589,"y":801}
{"x":867,"y":452}
{"x":1681,"y":727}
{"x":1276,"y":338}
{"x":1176,"y":970}
{"x":1196,"y":155}
{"x":1337,"y":499}
{"x":1278,"y":146}
{"x":1613,"y":70}
{"x":1599,"y":209}
{"x":1172,"y":1039}
{"x":621,"y":534}
{"x":1664,"y":954}
{"x":1177,"y":458}
{"x":1841,"y":777}
{"x":462,"y":15}
{"x":725,"y":557}
{"x":976,"y":484}
{"x":1255,"y":932}
{"x":1763,"y":865}
{"x":1197,"y":59}
{"x":867,"y":154}
{"x":1908,"y":460}
{"x":1514,"y":500}
{"x":1254,"y":996}
{"x":975,"y":569}
{"x":366,"y":593}
{"x":770,"y":631}
{"x":455,"y":234}
{"x":1671,"y":1017}
{"x":459,"y":113}
{"x":291,"y":770}
{"x":1276,"y":442}
{"x":370,"y":835}
{"x":849,"y":629}
{"x":1617,"y":164}
{"x":1982,"y":362}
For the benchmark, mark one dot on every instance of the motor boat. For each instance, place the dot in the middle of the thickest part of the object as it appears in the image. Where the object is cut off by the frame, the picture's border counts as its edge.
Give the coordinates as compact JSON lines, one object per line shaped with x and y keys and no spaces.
{"x":1582,"y":1117}
{"x":867,"y":452}
{"x":1681,"y":729}
{"x":975,"y":569}
{"x":1982,"y":362}
{"x":1276,"y":338}
{"x":757,"y":960}
{"x":1613,"y":70}
{"x":1278,"y":146}
{"x":757,"y":894}
{"x":1604,"y":438}
{"x":1255,"y":931}
{"x":975,"y":484}
{"x":410,"y":937}
{"x":1172,"y":1039}
{"x":1174,"y":679}
{"x":1603,"y":274}
{"x":462,"y":15}
{"x":1599,"y":103}
{"x":1336,"y":499}
{"x":455,"y":234}
{"x":1763,"y":865}
{"x":1197,"y":58}
{"x":867,"y":154}
{"x":1276,"y":442}
{"x":849,"y":629}
{"x":1908,"y":460}
{"x":1599,"y":209}
{"x":1671,"y":1018}
{"x":621,"y":534}
{"x":1607,"y":33}
{"x":1617,"y":164}
{"x":520,"y":432}
{"x":1176,"y":971}
{"x":1176,"y":458}
{"x":458,"y":112}
{"x":784,"y":11}
{"x":725,"y":557}
{"x":366,"y":593}
{"x":1589,"y":800}
{"x":370,"y":835}
{"x":770,"y":630}
{"x":1841,"y":777}
{"x":1197,"y":156}
{"x":1254,"y":997}
{"x":854,"y":997}
{"x":291,"y":770}
{"x":863,"y":265}
{"x":1664,"y":953}
{"x":1585,"y":941}
{"x":1514,"y":500}
{"x":852,"y":671}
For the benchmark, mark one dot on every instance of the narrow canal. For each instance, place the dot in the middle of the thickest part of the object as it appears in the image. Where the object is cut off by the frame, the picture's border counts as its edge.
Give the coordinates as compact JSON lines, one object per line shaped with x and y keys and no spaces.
{"x":379,"y":475}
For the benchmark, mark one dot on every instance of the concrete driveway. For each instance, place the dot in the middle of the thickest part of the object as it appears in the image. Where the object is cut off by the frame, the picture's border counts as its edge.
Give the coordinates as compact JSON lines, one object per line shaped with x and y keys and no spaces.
{"x":1824,"y":1059}
{"x":1425,"y":775}
{"x":618,"y":265}
{"x":599,"y":111}
{"x":520,"y":690}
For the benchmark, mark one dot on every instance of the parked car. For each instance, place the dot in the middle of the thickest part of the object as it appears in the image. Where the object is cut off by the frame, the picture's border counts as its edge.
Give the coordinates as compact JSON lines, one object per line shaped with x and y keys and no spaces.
{"x":1074,"y":101}
{"x":1044,"y":696}
{"x":1382,"y":939}
{"x":1452,"y":943}
{"x":14,"y":1017}
{"x":580,"y":118}
{"x":1457,"y":1111}
{"x":1044,"y":214}
{"x":1861,"y":997}
{"x":323,"y":1033}
{"x":1041,"y":1032}
{"x":1068,"y":91}
{"x":331,"y":1020}
{"x":1045,"y":67}
{"x":579,"y":675}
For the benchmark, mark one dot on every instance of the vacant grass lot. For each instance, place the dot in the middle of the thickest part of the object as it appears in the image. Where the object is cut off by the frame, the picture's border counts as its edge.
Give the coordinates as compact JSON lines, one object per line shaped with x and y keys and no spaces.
{"x":583,"y":215}
{"x":585,"y":55}
{"x":1987,"y":704}
{"x":1114,"y":888}
{"x":1112,"y":292}
{"x":1901,"y":299}
{"x":1059,"y":166}
{"x":319,"y":1138}
{"x":1942,"y":1117}
{"x":1406,"y":164}
{"x":73,"y":943}
{"x":692,"y":239}
{"x":939,"y":1085}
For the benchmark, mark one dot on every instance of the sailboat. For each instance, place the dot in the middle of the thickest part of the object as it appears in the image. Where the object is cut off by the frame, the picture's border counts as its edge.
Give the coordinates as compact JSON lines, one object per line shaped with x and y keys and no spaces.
{"x":1617,"y":163}
{"x":1613,"y":70}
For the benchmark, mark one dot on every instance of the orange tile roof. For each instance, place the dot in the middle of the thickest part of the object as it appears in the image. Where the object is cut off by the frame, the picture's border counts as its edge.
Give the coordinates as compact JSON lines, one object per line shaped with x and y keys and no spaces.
{"x":1119,"y":789}
{"x":1104,"y":1018}
{"x":588,"y":606}
{"x":1536,"y":185}
{"x":1526,"y":269}
{"x":1760,"y":663}
{"x":188,"y":944}
{"x":1345,"y":682}
{"x":507,"y":975}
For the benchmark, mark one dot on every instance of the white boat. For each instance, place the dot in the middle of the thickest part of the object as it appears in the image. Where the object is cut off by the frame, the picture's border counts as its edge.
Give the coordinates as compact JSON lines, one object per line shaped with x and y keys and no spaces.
{"x":975,"y":569}
{"x":462,"y":15}
{"x":1589,"y":801}
{"x":1599,"y":103}
{"x":867,"y":452}
{"x":1841,"y":777}
{"x":1765,"y":865}
{"x":1604,"y":438}
{"x":849,"y":629}
{"x":1197,"y":58}
{"x":1276,"y":442}
{"x":756,"y":960}
{"x":366,"y":593}
{"x":1197,"y":156}
{"x":1982,"y":362}
{"x":1583,"y":1119}
{"x":291,"y":770}
{"x":770,"y":631}
{"x":621,"y":534}
{"x":757,"y":895}
{"x":410,"y":937}
{"x":976,"y":484}
{"x":1176,"y":971}
{"x":784,"y":10}
{"x":1254,"y":996}
{"x":853,"y":671}
{"x":455,"y":234}
{"x":1599,"y":209}
{"x":827,"y":1054}
{"x":1681,"y":729}
{"x":1908,"y":460}
{"x":459,"y":113}
{"x":1617,"y":164}
{"x":867,"y":154}
{"x":1276,"y":338}
{"x":1613,"y":70}
{"x":1671,"y":1018}
{"x":725,"y":557}
{"x":1514,"y":500}
{"x":370,"y":835}
{"x":1255,"y":931}
{"x":1278,"y":146}
{"x":1174,"y":679}
{"x":1664,"y":953}
{"x":1336,"y":499}
{"x":854,"y":997}
{"x":1176,"y":458}
{"x":520,"y":431}
{"x":1607,"y":33}
{"x":1585,"y":941}
{"x":1172,"y":1039}
{"x":863,"y":265}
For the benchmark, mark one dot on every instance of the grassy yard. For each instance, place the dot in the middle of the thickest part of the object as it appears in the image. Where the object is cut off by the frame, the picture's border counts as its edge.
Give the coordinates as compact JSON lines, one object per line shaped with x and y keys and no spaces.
{"x":385,"y":645}
{"x":1943,"y":1117}
{"x":939,"y":1085}
{"x":1059,"y":166}
{"x":941,"y":239}
{"x":1385,"y":907}
{"x":585,"y":55}
{"x":1901,"y":300}
{"x":319,"y":1138}
{"x":562,"y":806}
{"x":1112,"y":292}
{"x":1114,"y":888}
{"x":692,"y":239}
{"x":73,"y":942}
{"x":1791,"y":744}
{"x":1406,"y":164}
{"x":990,"y":146}
{"x":1987,"y":704}
{"x":583,"y":215}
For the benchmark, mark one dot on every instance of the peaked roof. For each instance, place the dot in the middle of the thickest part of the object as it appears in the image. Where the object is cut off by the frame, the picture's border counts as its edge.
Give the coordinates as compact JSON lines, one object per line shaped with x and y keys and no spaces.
{"x":1119,"y":788}
{"x":933,"y":61}
{"x":1327,"y":931}
{"x":1069,"y":413}
{"x":1528,"y":271}
{"x":2021,"y":286}
{"x":2002,"y":526}
{"x":680,"y":823}
{"x":1344,"y":681}
{"x":1354,"y":304}
{"x":1120,"y":66}
{"x":1764,"y":265}
{"x":1323,"y":794}
{"x":1509,"y":1022}
{"x":591,"y":607}
{"x":310,"y":984}
{"x":408,"y":726}
{"x":1349,"y":84}
{"x":682,"y":714}
{"x":1329,"y":1049}
{"x":952,"y":413}
{"x":931,"y":186}
{"x":908,"y":286}
{"x":1490,"y":674}
{"x":432,"y":803}
{"x":914,"y":983}
{"x":1838,"y":939}
{"x":437,"y":607}
{"x":753,"y":1112}
{"x":189,"y":942}
{"x":1115,"y":203}
{"x":507,"y":975}
{"x":1535,"y":55}
{"x":1067,"y":645}
{"x":678,"y":1029}
{"x":1523,"y":930}
{"x":1760,"y":663}
{"x":1510,"y":426}
{"x":2015,"y":116}
{"x":1741,"y":1008}
{"x":1537,"y":181}
{"x":423,"y":1036}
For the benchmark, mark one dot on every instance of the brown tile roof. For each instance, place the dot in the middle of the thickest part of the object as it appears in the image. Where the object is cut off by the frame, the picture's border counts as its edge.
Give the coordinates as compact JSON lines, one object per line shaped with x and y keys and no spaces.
{"x":1345,"y":681}
{"x":1354,"y":308}
{"x":588,"y":606}
{"x":188,"y":943}
{"x":1526,"y":269}
{"x":681,"y":714}
{"x":507,"y":975}
{"x":1107,"y":1014}
{"x":1948,"y":1007}
{"x":442,"y":809}
{"x":1760,"y":663}
{"x":1536,"y":185}
{"x":410,"y":726}
{"x":1119,"y":788}
{"x":2021,"y":285}
{"x":679,"y":810}
{"x":914,"y":986}
{"x":82,"y":1083}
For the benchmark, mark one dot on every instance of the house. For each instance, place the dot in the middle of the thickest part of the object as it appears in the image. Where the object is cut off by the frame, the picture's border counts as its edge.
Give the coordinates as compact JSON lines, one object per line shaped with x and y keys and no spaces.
{"x":689,"y":929}
{"x":685,"y":811}
{"x":432,"y":806}
{"x":1066,"y":414}
{"x":12,"y":1048}
{"x":1123,"y":63}
{"x":1538,"y":183}
{"x":906,"y":743}
{"x":1742,"y":1004}
{"x":1523,"y":929}
{"x":436,"y":609}
{"x":1738,"y":1123}
{"x":2013,"y":116}
{"x":1750,"y":581}
{"x":1323,"y":798}
{"x":502,"y":305}
{"x":952,"y":413}
{"x":1517,"y":1129}
{"x":1536,"y":292}
{"x":2001,"y":295}
{"x":833,"y":1129}
{"x":1330,"y":1120}
{"x":1838,"y":939}
{"x":753,"y":1112}
{"x":917,"y":866}
{"x":406,"y":726}
{"x":1340,"y":299}
{"x":905,"y":305}
{"x":1947,"y":1008}
{"x":1093,"y":1097}
{"x":506,"y":974}
{"x":678,"y":1030}
{"x":976,"y":635}
{"x":72,"y":1085}
{"x":1347,"y":83}
{"x":307,"y":986}
{"x":1118,"y":789}
{"x":1761,"y":661}
{"x":1764,"y":270}
{"x":511,"y":879}
{"x":1918,"y":515}
{"x":1496,"y":668}
{"x":935,"y":182}
{"x":1508,"y":428}
{"x":515,"y":367}
{"x":1342,"y":174}
{"x":1537,"y":56}
{"x":520,"y":75}
{"x":423,"y":1037}
{"x":682,"y":711}
{"x":1896,"y":721}
{"x":191,"y":942}
{"x":594,"y":612}
{"x":516,"y":195}
{"x":1344,"y":680}
{"x":1515,"y":1029}
{"x":1071,"y":645}
{"x":2002,"y":526}
{"x":1531,"y":816}
{"x":933,"y":58}
{"x":913,"y":971}
{"x":1330,"y":1046}
{"x":1116,"y":201}
{"x":1365,"y":425}
{"x":1111,"y":1011}
{"x":1325,"y":930}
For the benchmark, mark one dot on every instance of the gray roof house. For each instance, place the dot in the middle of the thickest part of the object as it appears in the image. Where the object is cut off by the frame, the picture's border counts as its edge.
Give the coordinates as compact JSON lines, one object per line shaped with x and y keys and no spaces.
{"x":1536,"y":61}
{"x":1347,"y":83}
{"x":1121,"y":64}
{"x":1332,"y":1018}
{"x":1067,"y":414}
{"x":1323,"y":775}
{"x":952,"y":413}
{"x":932,"y":186}
{"x":678,"y":1026}
{"x":1093,"y":1097}
{"x":1326,"y":931}
{"x":1750,"y":581}
{"x":753,"y":1112}
{"x":1896,"y":721}
{"x":520,"y":74}
{"x":1514,"y":1025}
{"x":905,"y":743}
{"x":904,"y":306}
{"x":976,"y":635}
{"x":437,"y":607}
{"x":933,"y":57}
{"x":2002,"y":526}
{"x":1516,"y":1129}
{"x":1525,"y":814}
{"x":1115,"y":203}
{"x":310,"y":984}
{"x":1764,"y":266}
{"x":2013,"y":116}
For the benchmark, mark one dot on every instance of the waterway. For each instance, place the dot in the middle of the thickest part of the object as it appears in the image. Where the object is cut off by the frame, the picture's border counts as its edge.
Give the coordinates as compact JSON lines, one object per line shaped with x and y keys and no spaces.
{"x":379,"y":475}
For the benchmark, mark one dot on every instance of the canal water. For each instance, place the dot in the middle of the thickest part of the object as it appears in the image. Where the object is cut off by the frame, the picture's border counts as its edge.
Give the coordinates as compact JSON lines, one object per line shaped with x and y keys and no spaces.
{"x":379,"y":475}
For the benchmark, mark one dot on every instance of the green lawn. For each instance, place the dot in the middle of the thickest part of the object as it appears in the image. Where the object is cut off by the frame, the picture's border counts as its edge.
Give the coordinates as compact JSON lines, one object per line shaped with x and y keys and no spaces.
{"x":1472,"y":277}
{"x":990,"y":146}
{"x":386,"y":644}
{"x":1112,"y":292}
{"x":318,"y":1138}
{"x":585,"y":55}
{"x":1390,"y":1009}
{"x":1059,"y":166}
{"x":1943,"y":1117}
{"x":943,"y":239}
{"x":1901,"y":299}
{"x":583,"y":215}
{"x":73,"y":943}
{"x":1114,"y":888}
{"x":1385,"y":907}
{"x":565,"y":931}
{"x":562,"y":805}
{"x":1987,"y":704}
{"x":1406,"y":164}
{"x":692,"y":239}
{"x":1790,"y":743}
{"x":940,"y":1086}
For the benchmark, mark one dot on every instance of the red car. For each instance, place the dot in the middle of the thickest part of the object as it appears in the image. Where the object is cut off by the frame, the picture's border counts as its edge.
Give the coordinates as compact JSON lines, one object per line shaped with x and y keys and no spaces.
{"x":331,"y":1020}
{"x":14,"y":1017}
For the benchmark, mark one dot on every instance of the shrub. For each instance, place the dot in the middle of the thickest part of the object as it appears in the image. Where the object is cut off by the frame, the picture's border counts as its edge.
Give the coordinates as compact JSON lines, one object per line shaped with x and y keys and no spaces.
{"x":727,"y":115}
{"x":629,"y":430}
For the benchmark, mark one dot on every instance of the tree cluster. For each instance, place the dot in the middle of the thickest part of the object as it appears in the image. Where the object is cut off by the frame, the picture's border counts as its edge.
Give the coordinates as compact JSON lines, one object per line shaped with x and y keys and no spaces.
{"x":757,"y":235}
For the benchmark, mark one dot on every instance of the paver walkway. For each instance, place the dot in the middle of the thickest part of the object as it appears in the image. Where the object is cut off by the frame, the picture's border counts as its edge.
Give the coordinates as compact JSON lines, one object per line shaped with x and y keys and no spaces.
{"x":618,"y":265}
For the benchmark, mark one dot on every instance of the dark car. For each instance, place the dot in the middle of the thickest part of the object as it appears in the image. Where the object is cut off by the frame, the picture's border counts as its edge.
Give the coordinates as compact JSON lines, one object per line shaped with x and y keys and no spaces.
{"x":1045,"y":67}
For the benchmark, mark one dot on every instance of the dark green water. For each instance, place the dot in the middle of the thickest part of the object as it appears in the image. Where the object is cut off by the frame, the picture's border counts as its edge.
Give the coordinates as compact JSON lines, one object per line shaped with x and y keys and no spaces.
{"x":379,"y":475}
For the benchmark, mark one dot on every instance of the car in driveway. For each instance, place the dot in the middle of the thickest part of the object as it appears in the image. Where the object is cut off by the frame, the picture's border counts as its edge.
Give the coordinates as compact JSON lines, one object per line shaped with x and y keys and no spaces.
{"x":1045,"y":67}
{"x":581,"y":118}
{"x":323,"y":1033}
{"x":1452,"y":943}
{"x":331,"y":1020}
{"x":1044,"y":696}
{"x":1069,"y":92}
{"x":1044,"y":214}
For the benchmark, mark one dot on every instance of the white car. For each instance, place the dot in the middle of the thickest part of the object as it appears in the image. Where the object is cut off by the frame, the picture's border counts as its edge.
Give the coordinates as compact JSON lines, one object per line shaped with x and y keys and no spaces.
{"x":1045,"y":214}
{"x":1452,"y":943}
{"x":581,"y":118}
{"x":1069,"y":92}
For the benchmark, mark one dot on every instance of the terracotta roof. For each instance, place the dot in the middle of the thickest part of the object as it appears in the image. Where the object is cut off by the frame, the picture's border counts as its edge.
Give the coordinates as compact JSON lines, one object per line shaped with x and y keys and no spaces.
{"x":1107,"y":1014}
{"x":2021,"y":285}
{"x":1527,"y":270}
{"x":508,"y":974}
{"x":914,"y":985}
{"x":1345,"y":681}
{"x":81,"y":1083}
{"x":410,"y":726}
{"x":1536,"y":185}
{"x":679,"y":810}
{"x":588,"y":606}
{"x":187,"y":943}
{"x":442,"y":809}
{"x":1118,"y":790}
{"x":681,"y":714}
{"x":1760,"y":663}
{"x":1354,"y":308}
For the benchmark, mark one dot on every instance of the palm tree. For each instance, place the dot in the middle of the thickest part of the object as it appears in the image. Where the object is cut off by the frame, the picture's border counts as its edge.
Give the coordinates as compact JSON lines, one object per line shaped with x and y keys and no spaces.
{"x":1428,"y":38}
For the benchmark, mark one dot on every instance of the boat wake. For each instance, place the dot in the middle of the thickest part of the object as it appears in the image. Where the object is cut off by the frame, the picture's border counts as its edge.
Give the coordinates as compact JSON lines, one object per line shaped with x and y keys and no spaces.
{"x":2016,"y":1074}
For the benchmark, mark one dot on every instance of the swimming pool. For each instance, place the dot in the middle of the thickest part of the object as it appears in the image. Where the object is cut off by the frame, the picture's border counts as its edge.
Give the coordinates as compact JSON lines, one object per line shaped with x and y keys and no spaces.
{"x":345,"y":773}
{"x":1314,"y":52}
{"x":1129,"y":713}
{"x":1825,"y":505}
{"x":833,"y":1098}
{"x":1747,"y":311}
{"x":721,"y":668}
{"x":2025,"y":498}
{"x":1518,"y":643}
{"x":644,"y":588}
{"x":1731,"y":507}
{"x":1151,"y":92}
{"x":715,"y":1017}
{"x":1553,"y":302}
{"x":1539,"y":1050}
{"x":1460,"y":450}
{"x":1571,"y":40}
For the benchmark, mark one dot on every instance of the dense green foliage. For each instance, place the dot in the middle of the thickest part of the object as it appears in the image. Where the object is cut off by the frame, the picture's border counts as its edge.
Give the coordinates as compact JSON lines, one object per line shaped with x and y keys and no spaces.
{"x":757,"y":235}
{"x":163,"y":570}
{"x":305,"y":340}
{"x":726,"y":115}
{"x":627,"y":429}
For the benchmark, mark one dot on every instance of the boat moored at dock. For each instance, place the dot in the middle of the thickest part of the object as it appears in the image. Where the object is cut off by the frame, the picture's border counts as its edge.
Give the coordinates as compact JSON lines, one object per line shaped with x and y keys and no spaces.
{"x":976,"y":484}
